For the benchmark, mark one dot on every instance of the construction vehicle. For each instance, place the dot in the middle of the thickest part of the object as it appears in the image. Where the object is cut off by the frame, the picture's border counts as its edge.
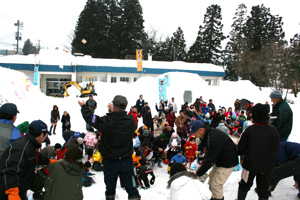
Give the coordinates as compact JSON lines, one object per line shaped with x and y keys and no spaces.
{"x":88,"y":90}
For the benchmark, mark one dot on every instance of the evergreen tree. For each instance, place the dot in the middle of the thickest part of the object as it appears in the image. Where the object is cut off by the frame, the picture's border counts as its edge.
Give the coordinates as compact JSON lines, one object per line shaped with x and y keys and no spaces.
{"x":207,"y":47}
{"x":28,"y":48}
{"x":178,"y":46}
{"x":91,"y":34}
{"x":132,"y":34}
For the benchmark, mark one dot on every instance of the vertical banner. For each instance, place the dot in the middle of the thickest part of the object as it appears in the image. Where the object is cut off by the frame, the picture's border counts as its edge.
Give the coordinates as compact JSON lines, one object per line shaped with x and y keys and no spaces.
{"x":139,"y":58}
{"x":167,"y":80}
{"x":162,"y":92}
{"x":36,"y":75}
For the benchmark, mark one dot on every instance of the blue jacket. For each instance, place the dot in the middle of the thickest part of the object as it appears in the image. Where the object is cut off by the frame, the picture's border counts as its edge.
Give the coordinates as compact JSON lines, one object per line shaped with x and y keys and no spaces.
{"x":137,"y":142}
{"x":288,"y":151}
{"x":178,"y":159}
{"x":8,"y":134}
{"x":205,"y":109}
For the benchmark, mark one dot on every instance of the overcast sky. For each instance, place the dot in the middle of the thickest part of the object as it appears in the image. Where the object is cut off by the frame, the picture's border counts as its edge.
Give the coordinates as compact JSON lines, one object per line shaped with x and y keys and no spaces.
{"x":52,"y":21}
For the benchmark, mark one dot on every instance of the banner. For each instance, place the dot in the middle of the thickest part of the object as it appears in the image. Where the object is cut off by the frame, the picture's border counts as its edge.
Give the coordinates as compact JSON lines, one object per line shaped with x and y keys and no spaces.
{"x":162,"y":90}
{"x":167,"y":80}
{"x":139,"y":58}
{"x":36,"y":75}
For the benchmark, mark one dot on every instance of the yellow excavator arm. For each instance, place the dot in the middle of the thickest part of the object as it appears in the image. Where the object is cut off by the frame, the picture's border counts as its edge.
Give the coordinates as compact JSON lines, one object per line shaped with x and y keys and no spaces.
{"x":84,"y":92}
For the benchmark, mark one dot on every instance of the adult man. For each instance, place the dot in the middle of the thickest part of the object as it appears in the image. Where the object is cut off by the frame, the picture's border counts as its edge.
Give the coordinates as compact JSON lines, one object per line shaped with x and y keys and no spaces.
{"x":179,"y":122}
{"x":145,"y":109}
{"x":92,"y":104}
{"x":140,"y":104}
{"x":19,"y":160}
{"x":8,"y":132}
{"x":221,"y":153}
{"x":135,"y":115}
{"x":259,"y":143}
{"x":284,"y":121}
{"x":117,"y":130}
{"x":174,"y":105}
{"x":237,"y":106}
{"x":211,"y":105}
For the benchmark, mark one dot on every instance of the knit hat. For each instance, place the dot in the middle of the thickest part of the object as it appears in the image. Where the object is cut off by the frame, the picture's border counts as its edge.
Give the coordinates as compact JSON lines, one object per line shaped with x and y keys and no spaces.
{"x":177,"y":167}
{"x":23,"y":128}
{"x":162,"y":136}
{"x":174,"y":135}
{"x":73,"y":153}
{"x":207,"y":115}
{"x":146,"y":133}
{"x":80,"y":140}
{"x":275,"y":94}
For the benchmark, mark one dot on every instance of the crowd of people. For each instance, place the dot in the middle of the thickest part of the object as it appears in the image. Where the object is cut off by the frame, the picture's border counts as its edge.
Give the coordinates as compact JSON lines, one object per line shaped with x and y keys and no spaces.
{"x":190,"y":139}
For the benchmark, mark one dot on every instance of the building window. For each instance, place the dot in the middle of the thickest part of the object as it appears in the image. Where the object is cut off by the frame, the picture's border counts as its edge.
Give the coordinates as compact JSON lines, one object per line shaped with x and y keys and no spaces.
{"x":210,"y":81}
{"x":79,"y":79}
{"x":94,"y":78}
{"x":124,"y":79}
{"x":113,"y":79}
{"x":135,"y":79}
{"x":103,"y":79}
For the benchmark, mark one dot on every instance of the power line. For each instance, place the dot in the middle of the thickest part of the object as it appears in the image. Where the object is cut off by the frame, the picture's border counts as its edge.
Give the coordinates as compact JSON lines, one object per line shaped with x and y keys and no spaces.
{"x":5,"y":20}
{"x":7,"y":17}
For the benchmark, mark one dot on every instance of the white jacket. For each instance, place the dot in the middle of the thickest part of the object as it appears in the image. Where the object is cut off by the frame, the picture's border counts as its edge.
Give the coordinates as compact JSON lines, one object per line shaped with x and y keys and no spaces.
{"x":186,"y":185}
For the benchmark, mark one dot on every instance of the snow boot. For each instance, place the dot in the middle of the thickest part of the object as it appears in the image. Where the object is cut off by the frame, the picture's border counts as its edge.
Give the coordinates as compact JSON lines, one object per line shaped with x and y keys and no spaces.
{"x":110,"y":197}
{"x":242,"y":195}
{"x":50,"y":130}
{"x":54,"y":130}
{"x":159,"y":164}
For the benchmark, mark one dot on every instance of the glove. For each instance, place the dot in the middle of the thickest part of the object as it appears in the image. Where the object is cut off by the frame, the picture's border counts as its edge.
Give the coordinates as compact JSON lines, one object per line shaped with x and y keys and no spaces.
{"x":13,"y":193}
{"x":152,"y":180}
{"x":52,"y":161}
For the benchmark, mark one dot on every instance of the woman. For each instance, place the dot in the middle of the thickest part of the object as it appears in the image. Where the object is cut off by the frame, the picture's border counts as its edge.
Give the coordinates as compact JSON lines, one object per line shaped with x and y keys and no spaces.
{"x":65,"y":120}
{"x":54,"y":118}
{"x":260,"y":144}
{"x":171,"y":118}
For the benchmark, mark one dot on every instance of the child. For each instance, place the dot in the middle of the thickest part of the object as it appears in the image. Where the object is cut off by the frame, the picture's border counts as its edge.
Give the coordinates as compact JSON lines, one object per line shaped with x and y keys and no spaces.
{"x":190,"y":150}
{"x":87,"y":180}
{"x":194,"y":118}
{"x":197,"y":162}
{"x":238,"y":132}
{"x":179,"y":158}
{"x":235,"y":127}
{"x":242,"y":118}
{"x":136,"y":157}
{"x":172,"y":152}
{"x":90,"y":140}
{"x":142,"y":174}
{"x":207,"y":119}
{"x":175,"y":138}
{"x":95,"y":159}
{"x":136,"y":141}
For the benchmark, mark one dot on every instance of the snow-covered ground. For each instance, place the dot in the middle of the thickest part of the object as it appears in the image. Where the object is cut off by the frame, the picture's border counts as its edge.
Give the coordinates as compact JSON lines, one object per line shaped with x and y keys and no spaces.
{"x":32,"y":104}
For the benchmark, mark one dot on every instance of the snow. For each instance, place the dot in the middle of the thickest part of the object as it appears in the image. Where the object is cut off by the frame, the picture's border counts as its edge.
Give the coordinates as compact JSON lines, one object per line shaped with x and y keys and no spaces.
{"x":33,"y":105}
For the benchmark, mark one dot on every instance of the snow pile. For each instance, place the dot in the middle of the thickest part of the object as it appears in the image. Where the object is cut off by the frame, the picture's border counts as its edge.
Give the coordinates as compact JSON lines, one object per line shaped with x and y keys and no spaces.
{"x":32,"y":104}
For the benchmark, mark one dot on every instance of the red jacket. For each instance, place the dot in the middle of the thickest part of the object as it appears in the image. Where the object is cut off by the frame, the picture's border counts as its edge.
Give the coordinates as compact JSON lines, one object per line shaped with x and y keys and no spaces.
{"x":171,"y":119}
{"x":135,"y":115}
{"x":189,"y":149}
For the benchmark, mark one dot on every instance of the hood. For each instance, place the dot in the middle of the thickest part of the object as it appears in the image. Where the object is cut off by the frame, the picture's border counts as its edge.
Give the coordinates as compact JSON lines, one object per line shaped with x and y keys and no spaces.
{"x":70,"y":167}
{"x":181,"y":178}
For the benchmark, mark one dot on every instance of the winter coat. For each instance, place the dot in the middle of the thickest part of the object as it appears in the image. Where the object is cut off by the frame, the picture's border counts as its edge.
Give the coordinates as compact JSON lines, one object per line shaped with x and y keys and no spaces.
{"x":168,"y":133}
{"x":158,"y":143}
{"x":68,"y":134}
{"x":220,"y":150}
{"x":140,"y":104}
{"x":288,"y":151}
{"x":185,"y":183}
{"x":65,"y":120}
{"x":177,"y":140}
{"x":91,"y":104}
{"x":147,"y":120}
{"x":171,"y":119}
{"x":212,"y":107}
{"x":223,"y":128}
{"x":284,"y":121}
{"x":136,"y":160}
{"x":8,"y":134}
{"x":97,"y":157}
{"x":158,"y":129}
{"x":205,"y":109}
{"x":175,"y":108}
{"x":178,"y":159}
{"x":195,"y":165}
{"x":54,"y":115}
{"x":148,"y":139}
{"x":135,"y":115}
{"x":72,"y":143}
{"x":208,"y":121}
{"x":64,"y":182}
{"x":90,"y":139}
{"x":85,"y":175}
{"x":145,"y":110}
{"x":186,"y":130}
{"x":136,"y":142}
{"x":172,"y":152}
{"x":117,"y":130}
{"x":190,"y":149}
{"x":180,"y":121}
{"x":160,"y":111}
{"x":237,"y":105}
{"x":228,"y":114}
{"x":260,"y":144}
{"x":18,"y":163}
{"x":48,"y":151}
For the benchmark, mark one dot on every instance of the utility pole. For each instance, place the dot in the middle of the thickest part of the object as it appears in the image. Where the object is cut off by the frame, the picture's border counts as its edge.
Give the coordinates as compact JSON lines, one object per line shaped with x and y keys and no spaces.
{"x":18,"y":34}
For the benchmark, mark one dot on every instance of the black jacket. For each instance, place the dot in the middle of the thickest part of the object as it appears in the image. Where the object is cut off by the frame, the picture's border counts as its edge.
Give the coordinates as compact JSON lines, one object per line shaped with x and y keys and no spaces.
{"x":220,"y":150}
{"x":117,"y":130}
{"x":68,"y":134}
{"x":54,"y":115}
{"x":140,"y":104}
{"x":158,"y":143}
{"x":18,"y":163}
{"x":259,"y":144}
{"x":65,"y":120}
